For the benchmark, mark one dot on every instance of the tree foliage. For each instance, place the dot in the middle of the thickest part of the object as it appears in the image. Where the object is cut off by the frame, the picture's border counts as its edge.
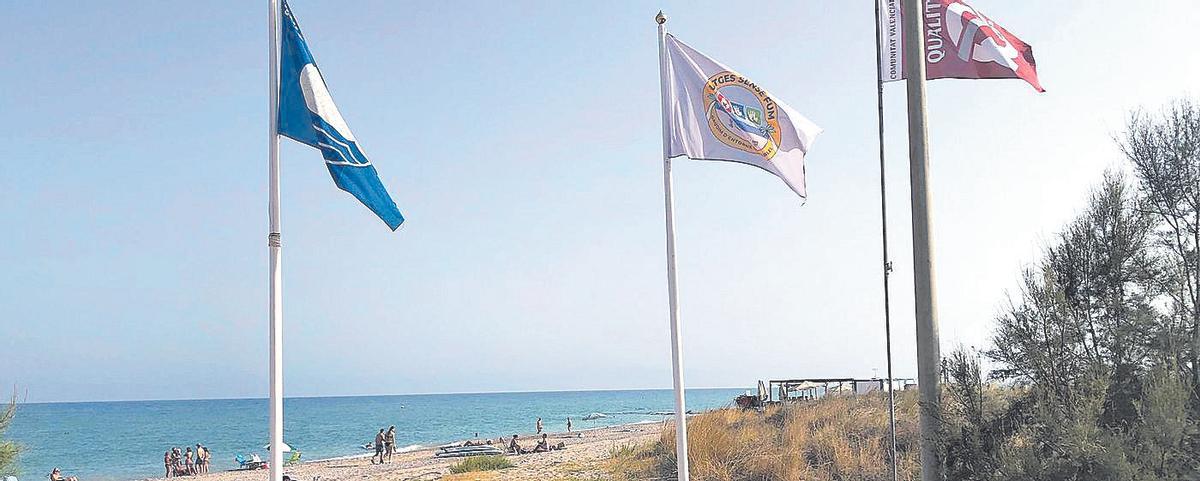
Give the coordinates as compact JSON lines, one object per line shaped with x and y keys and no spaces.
{"x":1099,"y":345}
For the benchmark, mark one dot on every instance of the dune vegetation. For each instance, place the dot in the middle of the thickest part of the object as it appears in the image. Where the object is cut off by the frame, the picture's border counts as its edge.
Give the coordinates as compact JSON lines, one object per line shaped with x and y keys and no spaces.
{"x":481,"y":463}
{"x":839,"y":437}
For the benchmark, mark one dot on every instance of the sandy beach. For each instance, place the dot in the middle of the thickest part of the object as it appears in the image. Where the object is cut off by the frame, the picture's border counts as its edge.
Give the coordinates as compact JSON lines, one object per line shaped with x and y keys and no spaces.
{"x":582,"y":459}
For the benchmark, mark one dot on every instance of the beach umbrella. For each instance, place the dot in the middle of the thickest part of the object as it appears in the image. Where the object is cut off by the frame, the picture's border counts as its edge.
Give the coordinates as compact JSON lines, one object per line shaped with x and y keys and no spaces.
{"x":286,"y":448}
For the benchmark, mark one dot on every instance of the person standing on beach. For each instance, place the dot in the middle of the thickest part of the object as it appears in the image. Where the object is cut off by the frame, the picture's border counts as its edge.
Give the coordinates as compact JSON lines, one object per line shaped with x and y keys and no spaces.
{"x":379,"y":438}
{"x":201,"y":459}
{"x":539,"y":426}
{"x":389,"y":440}
{"x":188,"y":464}
{"x":568,"y":424}
{"x":167,"y":463}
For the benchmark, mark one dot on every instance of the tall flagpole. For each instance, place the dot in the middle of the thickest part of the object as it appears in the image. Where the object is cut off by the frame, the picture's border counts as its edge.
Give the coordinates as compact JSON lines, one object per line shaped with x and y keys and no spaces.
{"x":676,"y":347}
{"x":273,"y":241}
{"x":924,"y":284}
{"x":887,"y":263}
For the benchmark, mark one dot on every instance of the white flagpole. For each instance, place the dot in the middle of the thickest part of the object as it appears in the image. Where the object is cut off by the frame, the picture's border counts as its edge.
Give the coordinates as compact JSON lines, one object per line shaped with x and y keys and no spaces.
{"x":273,"y":241}
{"x":887,"y":263}
{"x":676,"y":347}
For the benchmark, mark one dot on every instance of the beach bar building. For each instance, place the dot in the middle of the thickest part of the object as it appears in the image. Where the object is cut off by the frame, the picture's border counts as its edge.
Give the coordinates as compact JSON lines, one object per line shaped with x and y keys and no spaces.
{"x":784,"y":390}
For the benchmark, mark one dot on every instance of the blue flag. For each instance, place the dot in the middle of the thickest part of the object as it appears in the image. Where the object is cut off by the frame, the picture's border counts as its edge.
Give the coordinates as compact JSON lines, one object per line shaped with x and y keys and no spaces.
{"x":307,"y":115}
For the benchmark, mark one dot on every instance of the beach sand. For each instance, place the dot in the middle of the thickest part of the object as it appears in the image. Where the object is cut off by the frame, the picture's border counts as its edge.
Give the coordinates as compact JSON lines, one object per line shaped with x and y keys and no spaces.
{"x":583,"y":459}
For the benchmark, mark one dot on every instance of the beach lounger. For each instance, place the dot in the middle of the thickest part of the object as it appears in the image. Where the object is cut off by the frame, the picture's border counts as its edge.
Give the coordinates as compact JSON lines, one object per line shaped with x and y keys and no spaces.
{"x":249,"y":464}
{"x":295,"y":458}
{"x":467,"y":451}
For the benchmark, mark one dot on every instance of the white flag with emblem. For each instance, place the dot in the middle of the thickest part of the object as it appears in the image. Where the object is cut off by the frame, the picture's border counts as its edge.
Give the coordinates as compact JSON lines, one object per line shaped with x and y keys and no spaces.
{"x":715,"y":113}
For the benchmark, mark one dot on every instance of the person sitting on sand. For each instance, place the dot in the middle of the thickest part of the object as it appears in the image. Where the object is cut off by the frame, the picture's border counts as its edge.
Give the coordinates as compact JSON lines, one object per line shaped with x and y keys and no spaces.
{"x":56,"y":475}
{"x":515,"y":448}
{"x":542,"y":446}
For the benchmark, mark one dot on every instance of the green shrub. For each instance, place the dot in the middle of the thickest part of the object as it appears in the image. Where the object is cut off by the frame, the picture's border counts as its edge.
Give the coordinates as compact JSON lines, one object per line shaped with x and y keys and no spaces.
{"x":8,"y":449}
{"x":481,"y":463}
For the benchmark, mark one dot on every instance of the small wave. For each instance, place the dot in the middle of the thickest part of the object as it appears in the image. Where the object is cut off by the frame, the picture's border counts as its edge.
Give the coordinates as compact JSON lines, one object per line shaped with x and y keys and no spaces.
{"x":638,"y":413}
{"x":410,"y":448}
{"x":339,"y":458}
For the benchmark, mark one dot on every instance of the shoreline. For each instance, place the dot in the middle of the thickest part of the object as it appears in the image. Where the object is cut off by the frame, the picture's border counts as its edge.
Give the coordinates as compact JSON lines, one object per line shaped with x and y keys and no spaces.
{"x":586,"y":449}
{"x":413,"y":448}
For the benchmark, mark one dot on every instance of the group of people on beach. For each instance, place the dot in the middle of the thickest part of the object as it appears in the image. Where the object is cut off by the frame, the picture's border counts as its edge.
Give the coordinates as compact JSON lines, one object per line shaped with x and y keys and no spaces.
{"x":542,"y":446}
{"x":181,"y":463}
{"x":538,"y":425}
{"x":385,"y":445}
{"x":514,"y":447}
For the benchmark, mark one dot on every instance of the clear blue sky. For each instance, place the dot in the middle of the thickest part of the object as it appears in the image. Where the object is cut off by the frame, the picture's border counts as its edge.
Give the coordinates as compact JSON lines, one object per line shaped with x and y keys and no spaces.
{"x":522,"y":142}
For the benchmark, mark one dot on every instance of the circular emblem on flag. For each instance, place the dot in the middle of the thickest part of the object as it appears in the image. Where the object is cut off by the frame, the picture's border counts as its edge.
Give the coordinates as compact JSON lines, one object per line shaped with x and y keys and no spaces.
{"x":741,"y":114}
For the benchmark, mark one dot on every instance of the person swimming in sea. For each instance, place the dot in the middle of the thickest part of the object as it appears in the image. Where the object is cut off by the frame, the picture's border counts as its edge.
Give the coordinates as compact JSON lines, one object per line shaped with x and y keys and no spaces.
{"x":56,"y":475}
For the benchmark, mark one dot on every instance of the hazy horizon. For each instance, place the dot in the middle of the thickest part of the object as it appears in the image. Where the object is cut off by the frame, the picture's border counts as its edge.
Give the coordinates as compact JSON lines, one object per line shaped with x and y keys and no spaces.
{"x":264,"y":398}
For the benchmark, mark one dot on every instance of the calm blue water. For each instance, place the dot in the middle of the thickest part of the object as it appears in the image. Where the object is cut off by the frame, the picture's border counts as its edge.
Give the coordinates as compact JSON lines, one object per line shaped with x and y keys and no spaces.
{"x":126,"y":440}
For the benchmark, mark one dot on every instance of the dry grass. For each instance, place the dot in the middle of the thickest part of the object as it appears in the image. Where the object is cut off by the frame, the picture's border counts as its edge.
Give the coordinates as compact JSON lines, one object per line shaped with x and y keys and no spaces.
{"x":481,"y":463}
{"x":836,"y":438}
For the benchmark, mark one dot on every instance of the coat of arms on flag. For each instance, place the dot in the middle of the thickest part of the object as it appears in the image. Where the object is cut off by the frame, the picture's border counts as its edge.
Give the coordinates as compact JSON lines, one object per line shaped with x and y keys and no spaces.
{"x":715,"y":113}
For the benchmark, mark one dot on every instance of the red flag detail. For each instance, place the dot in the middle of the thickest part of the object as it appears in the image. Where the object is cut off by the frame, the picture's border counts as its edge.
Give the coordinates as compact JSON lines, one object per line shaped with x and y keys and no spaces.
{"x":960,"y":42}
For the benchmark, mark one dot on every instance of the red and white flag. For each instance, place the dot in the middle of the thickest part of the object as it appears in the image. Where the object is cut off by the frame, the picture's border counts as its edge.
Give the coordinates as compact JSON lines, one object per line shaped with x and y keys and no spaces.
{"x":960,"y":42}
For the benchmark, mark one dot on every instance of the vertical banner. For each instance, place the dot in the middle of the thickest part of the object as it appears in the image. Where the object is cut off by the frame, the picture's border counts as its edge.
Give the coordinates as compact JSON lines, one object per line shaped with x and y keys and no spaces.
{"x":891,"y":55}
{"x":960,"y":42}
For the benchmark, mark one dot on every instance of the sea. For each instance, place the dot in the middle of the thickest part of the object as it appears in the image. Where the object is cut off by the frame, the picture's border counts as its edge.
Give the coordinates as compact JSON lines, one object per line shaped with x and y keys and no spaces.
{"x":125,"y":440}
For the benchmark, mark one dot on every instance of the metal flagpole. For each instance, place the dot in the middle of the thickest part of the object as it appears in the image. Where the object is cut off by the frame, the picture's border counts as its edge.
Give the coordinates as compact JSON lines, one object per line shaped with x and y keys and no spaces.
{"x":676,"y":348}
{"x":924,"y":283}
{"x":887,"y":263}
{"x":273,"y":241}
